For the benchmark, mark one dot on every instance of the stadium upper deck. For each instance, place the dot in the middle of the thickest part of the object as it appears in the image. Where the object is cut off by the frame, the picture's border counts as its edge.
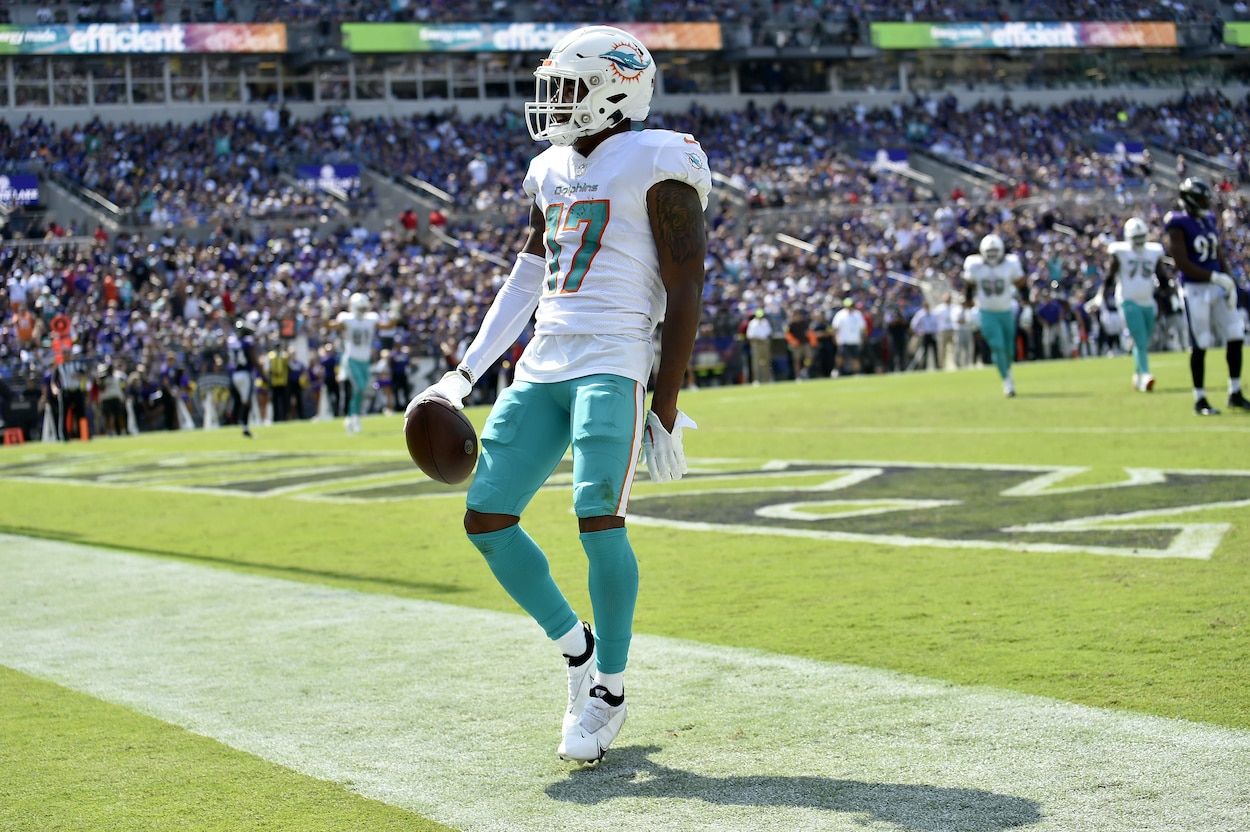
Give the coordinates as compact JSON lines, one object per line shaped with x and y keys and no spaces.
{"x":755,"y":13}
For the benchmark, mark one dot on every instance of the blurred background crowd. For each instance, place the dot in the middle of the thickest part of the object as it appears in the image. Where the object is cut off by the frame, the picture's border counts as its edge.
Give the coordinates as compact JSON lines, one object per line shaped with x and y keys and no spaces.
{"x":816,"y":210}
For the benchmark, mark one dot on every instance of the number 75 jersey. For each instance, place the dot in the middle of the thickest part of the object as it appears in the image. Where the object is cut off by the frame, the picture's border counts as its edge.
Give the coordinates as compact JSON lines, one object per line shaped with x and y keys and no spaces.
{"x":603,"y":274}
{"x":1136,"y":271}
{"x":996,"y":285}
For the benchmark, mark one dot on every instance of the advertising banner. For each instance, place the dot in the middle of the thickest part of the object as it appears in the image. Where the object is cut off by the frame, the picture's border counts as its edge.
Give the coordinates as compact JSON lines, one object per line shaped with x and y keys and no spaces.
{"x":143,"y":39}
{"x":1022,"y":35}
{"x":19,"y":190}
{"x":515,"y":37}
{"x":342,"y":177}
{"x":884,"y":156}
{"x":1237,"y":34}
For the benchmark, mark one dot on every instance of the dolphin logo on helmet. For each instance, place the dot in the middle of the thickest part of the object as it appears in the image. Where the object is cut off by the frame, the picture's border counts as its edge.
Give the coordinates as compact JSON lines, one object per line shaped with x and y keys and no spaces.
{"x":630,"y":65}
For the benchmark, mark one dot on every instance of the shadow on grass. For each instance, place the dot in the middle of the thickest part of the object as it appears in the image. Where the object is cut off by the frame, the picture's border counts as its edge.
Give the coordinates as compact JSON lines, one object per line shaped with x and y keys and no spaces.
{"x":626,"y":772}
{"x":275,"y":570}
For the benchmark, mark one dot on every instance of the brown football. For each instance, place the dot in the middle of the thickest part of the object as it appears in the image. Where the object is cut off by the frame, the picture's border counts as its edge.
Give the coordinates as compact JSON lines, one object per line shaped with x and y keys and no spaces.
{"x":441,"y":440}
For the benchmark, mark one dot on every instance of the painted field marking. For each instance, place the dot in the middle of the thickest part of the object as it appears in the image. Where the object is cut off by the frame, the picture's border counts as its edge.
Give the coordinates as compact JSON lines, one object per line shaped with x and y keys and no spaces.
{"x":453,"y":713}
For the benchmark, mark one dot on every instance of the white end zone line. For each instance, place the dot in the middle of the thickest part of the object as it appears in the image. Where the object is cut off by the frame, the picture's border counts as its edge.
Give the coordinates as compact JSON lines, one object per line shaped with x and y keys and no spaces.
{"x":454,"y":713}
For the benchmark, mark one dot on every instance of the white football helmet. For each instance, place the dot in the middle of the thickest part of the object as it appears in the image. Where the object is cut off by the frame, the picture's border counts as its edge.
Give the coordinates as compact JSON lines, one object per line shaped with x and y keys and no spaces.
{"x":358,"y":303}
{"x":594,"y":78}
{"x":1136,"y":233}
{"x":992,"y":249}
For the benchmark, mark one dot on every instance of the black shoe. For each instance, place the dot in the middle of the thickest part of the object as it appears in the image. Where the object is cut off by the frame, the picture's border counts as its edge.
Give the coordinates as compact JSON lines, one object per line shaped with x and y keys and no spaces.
{"x":1236,"y":400}
{"x":1202,"y":407}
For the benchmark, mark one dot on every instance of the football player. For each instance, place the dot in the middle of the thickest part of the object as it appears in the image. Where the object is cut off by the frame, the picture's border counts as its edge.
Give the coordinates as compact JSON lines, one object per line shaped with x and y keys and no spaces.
{"x":616,"y":244}
{"x":358,"y":325}
{"x":241,"y":353}
{"x":1209,"y":292}
{"x":992,"y":280}
{"x":1132,"y":279}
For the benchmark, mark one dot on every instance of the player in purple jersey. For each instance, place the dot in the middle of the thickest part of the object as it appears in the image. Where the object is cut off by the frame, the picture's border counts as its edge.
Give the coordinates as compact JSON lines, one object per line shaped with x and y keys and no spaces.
{"x":1191,"y":236}
{"x":243,"y":364}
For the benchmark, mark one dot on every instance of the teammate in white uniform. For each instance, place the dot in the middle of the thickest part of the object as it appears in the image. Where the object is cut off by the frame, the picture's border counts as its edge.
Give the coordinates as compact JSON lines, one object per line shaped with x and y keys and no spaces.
{"x":358,"y":325}
{"x":991,"y":281}
{"x":1132,"y":278}
{"x":616,"y":244}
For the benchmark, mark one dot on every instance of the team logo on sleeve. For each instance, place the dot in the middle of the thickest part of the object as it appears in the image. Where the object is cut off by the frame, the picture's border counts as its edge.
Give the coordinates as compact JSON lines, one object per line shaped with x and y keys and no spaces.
{"x":627,"y":61}
{"x":695,"y":161}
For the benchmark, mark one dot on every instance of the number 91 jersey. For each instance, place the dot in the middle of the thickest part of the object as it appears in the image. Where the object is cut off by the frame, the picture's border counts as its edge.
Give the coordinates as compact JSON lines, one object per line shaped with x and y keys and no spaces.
{"x":996,"y":285}
{"x":603,"y":272}
{"x":1202,"y":239}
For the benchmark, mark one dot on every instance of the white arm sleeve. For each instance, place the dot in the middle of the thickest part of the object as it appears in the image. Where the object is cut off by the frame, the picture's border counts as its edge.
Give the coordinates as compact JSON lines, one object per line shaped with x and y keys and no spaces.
{"x":508,"y":315}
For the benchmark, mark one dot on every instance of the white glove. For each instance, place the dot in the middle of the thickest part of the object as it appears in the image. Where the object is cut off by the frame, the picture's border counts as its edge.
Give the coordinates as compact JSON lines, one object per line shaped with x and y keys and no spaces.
{"x":453,"y":387}
{"x":1229,"y":286}
{"x":662,"y":451}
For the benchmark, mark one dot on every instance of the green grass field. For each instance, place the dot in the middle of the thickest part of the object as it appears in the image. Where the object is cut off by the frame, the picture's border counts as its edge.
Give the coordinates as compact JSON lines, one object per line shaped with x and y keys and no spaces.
{"x":1081,"y":547}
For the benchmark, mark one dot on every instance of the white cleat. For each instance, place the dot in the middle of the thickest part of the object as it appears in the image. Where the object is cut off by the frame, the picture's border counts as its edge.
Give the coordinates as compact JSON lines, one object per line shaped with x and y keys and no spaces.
{"x":1147,"y":383}
{"x":1136,"y":381}
{"x":1009,"y":389}
{"x":591,"y":736}
{"x":580,"y":672}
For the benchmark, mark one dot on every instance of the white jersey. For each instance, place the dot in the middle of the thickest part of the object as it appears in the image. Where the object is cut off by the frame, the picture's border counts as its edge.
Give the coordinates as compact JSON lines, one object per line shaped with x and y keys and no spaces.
{"x":996,"y":285}
{"x":849,"y":324}
{"x":358,"y":334}
{"x":603,"y":295}
{"x":1135,"y":279}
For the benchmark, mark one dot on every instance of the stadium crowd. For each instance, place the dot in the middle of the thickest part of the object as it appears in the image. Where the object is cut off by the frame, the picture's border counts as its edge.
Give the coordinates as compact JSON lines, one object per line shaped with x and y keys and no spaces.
{"x":158,"y":310}
{"x":227,"y":167}
{"x":854,"y":235}
{"x":812,"y":18}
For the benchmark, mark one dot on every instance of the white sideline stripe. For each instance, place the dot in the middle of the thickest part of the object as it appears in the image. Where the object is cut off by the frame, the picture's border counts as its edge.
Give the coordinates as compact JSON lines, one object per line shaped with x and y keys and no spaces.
{"x":453,"y":713}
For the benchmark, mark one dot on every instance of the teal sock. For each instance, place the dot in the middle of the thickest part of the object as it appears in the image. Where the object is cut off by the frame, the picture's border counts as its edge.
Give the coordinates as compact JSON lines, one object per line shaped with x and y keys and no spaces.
{"x":522,"y":570}
{"x":613,"y":593}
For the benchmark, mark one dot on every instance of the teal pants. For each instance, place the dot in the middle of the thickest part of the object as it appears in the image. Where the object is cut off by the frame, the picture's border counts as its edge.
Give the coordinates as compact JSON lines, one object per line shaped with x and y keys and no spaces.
{"x":1141,"y":322}
{"x":359,"y":372}
{"x":523,"y":443}
{"x":999,"y":331}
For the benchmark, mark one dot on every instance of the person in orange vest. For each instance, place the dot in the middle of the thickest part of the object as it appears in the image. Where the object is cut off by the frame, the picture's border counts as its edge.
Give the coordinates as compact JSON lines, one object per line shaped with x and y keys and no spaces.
{"x":28,"y":330}
{"x":111,"y":293}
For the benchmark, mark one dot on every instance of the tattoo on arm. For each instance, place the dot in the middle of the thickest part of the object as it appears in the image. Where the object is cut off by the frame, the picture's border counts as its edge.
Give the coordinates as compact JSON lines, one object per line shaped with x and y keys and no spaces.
{"x":679,"y":218}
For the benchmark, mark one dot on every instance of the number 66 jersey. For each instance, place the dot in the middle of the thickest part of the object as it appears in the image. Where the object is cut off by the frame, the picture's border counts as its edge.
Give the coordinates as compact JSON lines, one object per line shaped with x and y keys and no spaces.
{"x":996,"y":285}
{"x":603,"y":296}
